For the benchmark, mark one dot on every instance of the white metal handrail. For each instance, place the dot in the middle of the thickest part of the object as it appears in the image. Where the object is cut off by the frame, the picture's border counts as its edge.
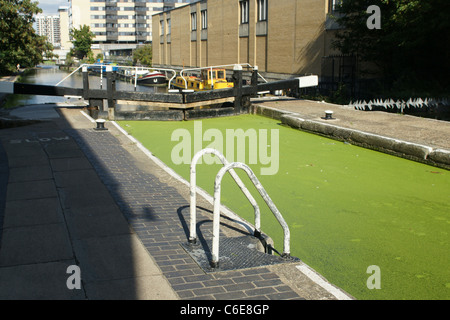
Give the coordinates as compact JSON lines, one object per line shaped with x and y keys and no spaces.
{"x":264,"y":195}
{"x":193,"y":192}
{"x":122,"y":67}
{"x":70,"y":75}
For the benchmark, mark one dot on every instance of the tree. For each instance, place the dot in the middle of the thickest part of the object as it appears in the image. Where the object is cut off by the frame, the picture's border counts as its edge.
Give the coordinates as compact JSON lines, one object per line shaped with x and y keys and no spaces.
{"x":143,"y":55}
{"x":411,"y":50}
{"x":82,"y":41}
{"x":19,"y":43}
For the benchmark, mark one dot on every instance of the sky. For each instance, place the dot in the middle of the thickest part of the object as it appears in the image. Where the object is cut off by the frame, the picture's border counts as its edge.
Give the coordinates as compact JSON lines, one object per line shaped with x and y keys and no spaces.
{"x":51,"y":6}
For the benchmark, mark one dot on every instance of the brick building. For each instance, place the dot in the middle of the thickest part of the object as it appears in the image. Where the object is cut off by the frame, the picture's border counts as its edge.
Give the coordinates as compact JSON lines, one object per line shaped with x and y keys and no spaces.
{"x":282,"y":38}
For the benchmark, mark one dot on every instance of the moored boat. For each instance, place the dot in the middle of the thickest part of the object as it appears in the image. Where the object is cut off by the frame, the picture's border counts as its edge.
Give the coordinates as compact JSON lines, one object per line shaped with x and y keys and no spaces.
{"x":210,"y":79}
{"x":152,"y":78}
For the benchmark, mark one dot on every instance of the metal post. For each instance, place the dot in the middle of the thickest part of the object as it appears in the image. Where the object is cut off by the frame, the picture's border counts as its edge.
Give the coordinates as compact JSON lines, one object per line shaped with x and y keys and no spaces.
{"x":237,"y":80}
{"x":101,"y":76}
{"x":111,"y":88}
{"x":254,"y":81}
{"x":212,"y":79}
{"x":135,"y":79}
{"x":85,"y":83}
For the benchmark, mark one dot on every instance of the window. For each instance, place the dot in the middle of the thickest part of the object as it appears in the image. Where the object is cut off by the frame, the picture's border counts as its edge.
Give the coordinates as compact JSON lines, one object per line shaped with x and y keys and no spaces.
{"x":204,"y":19}
{"x":262,"y":10}
{"x":169,"y":26}
{"x":193,"y":21}
{"x":161,"y":23}
{"x":334,"y":5}
{"x":244,"y":4}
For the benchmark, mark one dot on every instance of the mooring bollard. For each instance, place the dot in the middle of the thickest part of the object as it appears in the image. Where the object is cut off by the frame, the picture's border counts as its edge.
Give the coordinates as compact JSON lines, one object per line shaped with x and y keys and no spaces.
{"x":100,"y":125}
{"x":329,"y":115}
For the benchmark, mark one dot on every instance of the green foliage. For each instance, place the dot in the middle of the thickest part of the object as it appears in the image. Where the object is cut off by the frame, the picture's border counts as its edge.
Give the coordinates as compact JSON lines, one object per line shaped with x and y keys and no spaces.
{"x":143,"y":55}
{"x":19,"y":43}
{"x":69,"y":59}
{"x":82,"y":41}
{"x":412,"y":47}
{"x":90,"y":57}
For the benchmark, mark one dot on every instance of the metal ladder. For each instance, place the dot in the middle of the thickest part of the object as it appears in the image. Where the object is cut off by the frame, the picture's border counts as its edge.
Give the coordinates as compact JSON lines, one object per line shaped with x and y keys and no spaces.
{"x":229,"y":167}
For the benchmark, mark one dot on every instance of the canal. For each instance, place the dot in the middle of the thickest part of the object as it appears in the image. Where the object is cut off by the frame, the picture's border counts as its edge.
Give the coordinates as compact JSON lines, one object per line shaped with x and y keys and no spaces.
{"x":52,"y":75}
{"x":348,"y":208}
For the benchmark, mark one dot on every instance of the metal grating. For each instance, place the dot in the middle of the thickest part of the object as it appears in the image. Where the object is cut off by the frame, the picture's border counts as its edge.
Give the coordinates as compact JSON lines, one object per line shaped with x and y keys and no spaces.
{"x":234,"y":254}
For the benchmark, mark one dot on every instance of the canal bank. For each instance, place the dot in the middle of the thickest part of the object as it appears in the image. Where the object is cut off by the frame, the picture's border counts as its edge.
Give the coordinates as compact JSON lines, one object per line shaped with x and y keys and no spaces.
{"x":414,"y":138}
{"x":4,"y":96}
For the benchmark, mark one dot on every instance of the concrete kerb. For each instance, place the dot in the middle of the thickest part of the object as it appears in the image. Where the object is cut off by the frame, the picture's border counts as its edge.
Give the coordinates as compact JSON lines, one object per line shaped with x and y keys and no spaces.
{"x":408,"y":150}
{"x":440,"y":156}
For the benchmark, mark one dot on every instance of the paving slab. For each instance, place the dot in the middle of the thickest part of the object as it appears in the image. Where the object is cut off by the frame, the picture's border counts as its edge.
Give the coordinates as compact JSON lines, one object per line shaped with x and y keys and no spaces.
{"x":25,"y":161}
{"x":83,"y":197}
{"x":96,"y":221}
{"x":68,"y":164}
{"x":84,"y":177}
{"x":35,"y":244}
{"x":32,"y":212}
{"x":142,"y":288}
{"x":30,"y":173}
{"x":36,"y":112}
{"x":113,"y":257}
{"x":39,"y":281}
{"x":31,"y":190}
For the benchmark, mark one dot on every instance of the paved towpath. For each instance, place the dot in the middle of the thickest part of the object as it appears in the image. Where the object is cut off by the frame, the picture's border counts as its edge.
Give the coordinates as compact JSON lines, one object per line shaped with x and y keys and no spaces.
{"x":72,"y":196}
{"x":429,"y":132}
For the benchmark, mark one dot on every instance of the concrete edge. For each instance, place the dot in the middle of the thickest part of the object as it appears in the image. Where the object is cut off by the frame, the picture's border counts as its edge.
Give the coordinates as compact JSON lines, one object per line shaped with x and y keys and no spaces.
{"x":317,"y":278}
{"x":412,"y":151}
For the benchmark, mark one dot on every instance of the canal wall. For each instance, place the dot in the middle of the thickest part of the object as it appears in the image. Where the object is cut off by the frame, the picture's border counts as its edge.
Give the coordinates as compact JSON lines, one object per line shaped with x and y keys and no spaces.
{"x":4,"y":96}
{"x":437,"y":157}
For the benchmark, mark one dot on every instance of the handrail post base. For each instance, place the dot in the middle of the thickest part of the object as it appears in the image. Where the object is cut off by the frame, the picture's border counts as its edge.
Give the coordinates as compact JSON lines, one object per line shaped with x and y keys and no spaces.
{"x":286,"y":256}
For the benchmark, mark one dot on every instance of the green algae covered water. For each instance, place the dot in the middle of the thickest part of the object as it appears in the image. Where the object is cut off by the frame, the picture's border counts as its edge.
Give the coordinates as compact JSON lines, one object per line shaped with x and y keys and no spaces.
{"x":348,"y":208}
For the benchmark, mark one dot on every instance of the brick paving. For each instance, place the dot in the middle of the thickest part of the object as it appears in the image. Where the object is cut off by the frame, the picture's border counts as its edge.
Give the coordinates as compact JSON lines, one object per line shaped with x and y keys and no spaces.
{"x":159,"y":215}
